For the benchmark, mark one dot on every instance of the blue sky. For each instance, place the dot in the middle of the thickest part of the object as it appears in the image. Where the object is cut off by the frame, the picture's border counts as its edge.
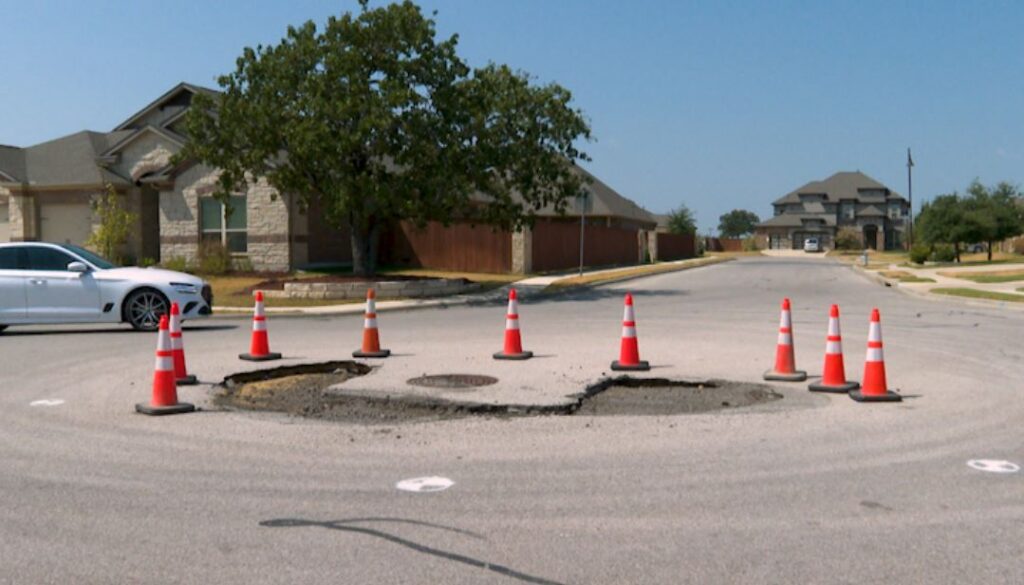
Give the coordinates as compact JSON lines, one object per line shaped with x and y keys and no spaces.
{"x":718,"y":105}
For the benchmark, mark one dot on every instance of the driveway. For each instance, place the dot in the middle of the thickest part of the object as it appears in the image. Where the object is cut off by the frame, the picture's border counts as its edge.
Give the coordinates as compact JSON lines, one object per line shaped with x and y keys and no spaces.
{"x":810,"y":489}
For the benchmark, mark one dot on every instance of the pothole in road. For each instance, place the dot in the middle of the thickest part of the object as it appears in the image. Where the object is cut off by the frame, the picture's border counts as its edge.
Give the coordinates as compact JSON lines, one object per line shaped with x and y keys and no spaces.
{"x":303,"y":390}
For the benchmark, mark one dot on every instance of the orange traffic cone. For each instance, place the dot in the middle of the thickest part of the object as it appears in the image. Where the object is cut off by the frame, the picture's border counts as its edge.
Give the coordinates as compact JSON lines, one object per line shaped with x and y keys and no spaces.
{"x":165,"y":392}
{"x":875,"y":389}
{"x":629,"y":349}
{"x":181,"y":375}
{"x":259,"y":347}
{"x":371,"y":337}
{"x":833,"y":377}
{"x":513,"y":341}
{"x":785,"y":359}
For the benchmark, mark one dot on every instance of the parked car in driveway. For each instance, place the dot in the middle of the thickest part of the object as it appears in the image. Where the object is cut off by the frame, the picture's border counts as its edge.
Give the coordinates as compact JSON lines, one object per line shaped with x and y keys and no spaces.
{"x":63,"y":283}
{"x":812,"y":245}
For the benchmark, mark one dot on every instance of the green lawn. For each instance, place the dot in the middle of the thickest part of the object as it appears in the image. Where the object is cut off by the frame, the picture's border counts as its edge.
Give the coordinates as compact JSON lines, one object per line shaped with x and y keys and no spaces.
{"x":995,"y":276}
{"x":980,"y":294}
{"x":636,"y":271}
{"x":903,"y":276}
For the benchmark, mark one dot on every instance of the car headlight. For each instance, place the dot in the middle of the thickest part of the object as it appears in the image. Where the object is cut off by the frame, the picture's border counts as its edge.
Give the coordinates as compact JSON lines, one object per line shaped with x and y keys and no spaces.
{"x":185,"y":288}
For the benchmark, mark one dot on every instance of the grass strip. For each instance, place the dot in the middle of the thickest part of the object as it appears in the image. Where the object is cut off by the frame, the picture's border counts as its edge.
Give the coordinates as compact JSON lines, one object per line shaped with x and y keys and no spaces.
{"x":904,"y":276}
{"x":635,"y":272}
{"x":973,"y":293}
{"x":992,"y":277}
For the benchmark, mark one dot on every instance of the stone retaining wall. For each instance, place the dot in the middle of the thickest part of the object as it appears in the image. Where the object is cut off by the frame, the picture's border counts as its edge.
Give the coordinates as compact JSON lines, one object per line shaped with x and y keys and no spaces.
{"x":385,"y":290}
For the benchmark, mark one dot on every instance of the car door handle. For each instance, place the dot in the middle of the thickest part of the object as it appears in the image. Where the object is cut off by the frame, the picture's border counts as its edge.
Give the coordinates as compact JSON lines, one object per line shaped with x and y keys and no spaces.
{"x":36,"y":281}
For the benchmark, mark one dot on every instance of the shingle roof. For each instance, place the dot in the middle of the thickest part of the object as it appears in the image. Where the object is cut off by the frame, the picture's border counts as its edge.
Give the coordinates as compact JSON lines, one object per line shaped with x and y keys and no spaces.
{"x":842,"y":185}
{"x":12,"y":162}
{"x":70,"y":160}
{"x":871,"y":211}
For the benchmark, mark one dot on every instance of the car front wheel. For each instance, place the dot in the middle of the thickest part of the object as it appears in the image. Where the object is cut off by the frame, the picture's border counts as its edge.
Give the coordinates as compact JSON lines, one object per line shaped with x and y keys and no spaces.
{"x":143,"y":308}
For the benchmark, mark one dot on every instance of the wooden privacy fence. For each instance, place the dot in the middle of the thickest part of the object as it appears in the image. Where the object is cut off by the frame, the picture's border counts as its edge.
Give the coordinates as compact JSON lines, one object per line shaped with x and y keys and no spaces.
{"x":556,"y":245}
{"x":460,"y":246}
{"x":676,"y":246}
{"x":724,"y":244}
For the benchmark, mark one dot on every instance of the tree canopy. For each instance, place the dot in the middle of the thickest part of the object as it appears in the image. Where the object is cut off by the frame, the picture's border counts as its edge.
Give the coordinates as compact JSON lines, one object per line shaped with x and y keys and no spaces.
{"x":681,"y":220}
{"x":737,"y":223}
{"x":985,"y":214}
{"x":377,"y":120}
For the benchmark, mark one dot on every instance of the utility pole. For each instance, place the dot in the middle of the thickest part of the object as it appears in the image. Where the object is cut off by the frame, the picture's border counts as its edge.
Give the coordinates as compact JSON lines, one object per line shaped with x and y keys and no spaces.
{"x":910,"y":196}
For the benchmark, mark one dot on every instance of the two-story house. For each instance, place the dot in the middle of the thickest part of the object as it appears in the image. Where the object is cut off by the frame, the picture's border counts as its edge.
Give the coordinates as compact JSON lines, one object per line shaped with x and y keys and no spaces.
{"x":820,"y":209}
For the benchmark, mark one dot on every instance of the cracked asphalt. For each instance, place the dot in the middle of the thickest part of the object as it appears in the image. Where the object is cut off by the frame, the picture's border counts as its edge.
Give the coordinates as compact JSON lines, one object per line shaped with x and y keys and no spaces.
{"x":807,"y":489}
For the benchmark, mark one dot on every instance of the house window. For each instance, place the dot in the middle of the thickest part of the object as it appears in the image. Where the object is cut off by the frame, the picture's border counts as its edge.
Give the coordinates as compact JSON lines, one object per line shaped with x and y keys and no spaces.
{"x":220,"y":226}
{"x":895,"y":211}
{"x":848,"y":209}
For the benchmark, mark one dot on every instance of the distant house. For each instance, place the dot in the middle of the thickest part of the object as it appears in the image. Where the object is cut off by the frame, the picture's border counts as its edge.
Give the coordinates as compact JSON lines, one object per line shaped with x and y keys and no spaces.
{"x":820,"y":209}
{"x":47,"y":192}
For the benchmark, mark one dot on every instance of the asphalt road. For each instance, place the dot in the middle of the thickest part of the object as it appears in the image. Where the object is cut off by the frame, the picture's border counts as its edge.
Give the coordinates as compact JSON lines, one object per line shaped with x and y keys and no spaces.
{"x":814,"y":489}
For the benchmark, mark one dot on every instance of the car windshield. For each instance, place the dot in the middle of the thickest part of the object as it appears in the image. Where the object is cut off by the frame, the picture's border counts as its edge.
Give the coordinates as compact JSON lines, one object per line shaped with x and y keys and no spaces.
{"x":97,"y":261}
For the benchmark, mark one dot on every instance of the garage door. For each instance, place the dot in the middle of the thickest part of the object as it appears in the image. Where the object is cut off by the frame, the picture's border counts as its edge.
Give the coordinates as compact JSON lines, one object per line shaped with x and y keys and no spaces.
{"x":65,"y":223}
{"x":5,"y":223}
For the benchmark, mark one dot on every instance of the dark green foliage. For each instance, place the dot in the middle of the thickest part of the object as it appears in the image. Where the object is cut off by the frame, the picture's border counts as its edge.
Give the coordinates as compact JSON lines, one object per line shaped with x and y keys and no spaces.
{"x":681,"y":221}
{"x":378,"y":120}
{"x":945,"y":253}
{"x":737,"y":223}
{"x":919,"y":253}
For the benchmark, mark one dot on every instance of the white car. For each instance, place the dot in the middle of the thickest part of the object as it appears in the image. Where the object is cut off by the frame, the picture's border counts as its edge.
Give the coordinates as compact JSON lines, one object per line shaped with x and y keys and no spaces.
{"x":812,"y":245}
{"x":63,"y":283}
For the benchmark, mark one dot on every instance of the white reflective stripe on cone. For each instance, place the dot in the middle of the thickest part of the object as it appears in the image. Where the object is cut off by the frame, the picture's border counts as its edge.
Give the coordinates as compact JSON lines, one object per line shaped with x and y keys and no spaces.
{"x":785,"y":321}
{"x":259,"y":309}
{"x":833,"y":347}
{"x":259,"y":325}
{"x":513,"y":307}
{"x":629,"y":332}
{"x":176,"y":343}
{"x":511,"y":323}
{"x":371,"y":306}
{"x":164,"y":364}
{"x":874,"y":354}
{"x":833,"y":327}
{"x":163,"y":341}
{"x":370,"y":323}
{"x":875,"y":332}
{"x":175,"y":324}
{"x":628,"y":315}
{"x":785,"y":339}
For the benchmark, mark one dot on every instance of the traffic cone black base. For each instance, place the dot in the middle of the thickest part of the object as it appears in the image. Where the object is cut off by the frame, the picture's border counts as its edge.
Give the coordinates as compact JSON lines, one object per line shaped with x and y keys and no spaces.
{"x":837,"y":389}
{"x":179,"y":408}
{"x":189,"y":380}
{"x":889,"y":396}
{"x":513,"y":356}
{"x":372,"y":354}
{"x":259,"y":358}
{"x":797,"y":376}
{"x":641,"y":366}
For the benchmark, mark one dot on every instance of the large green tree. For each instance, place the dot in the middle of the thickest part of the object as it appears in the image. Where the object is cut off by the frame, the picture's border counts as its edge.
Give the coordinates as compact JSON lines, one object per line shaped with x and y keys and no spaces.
{"x":946,"y":219}
{"x":377,"y":120}
{"x":996,"y":211}
{"x":737,"y":223}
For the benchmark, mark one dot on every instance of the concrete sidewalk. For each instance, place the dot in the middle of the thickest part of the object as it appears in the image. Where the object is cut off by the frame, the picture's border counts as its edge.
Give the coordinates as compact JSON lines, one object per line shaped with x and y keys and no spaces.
{"x":526,"y":288}
{"x":924,"y":289}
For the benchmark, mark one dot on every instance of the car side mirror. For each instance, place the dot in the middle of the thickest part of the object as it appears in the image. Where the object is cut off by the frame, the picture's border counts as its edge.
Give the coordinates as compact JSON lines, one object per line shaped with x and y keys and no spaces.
{"x":79,"y":267}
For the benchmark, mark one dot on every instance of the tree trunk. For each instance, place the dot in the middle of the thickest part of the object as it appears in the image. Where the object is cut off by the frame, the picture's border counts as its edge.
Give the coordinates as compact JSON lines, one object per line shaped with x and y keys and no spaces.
{"x":365,"y":236}
{"x":989,"y":246}
{"x":956,"y":250}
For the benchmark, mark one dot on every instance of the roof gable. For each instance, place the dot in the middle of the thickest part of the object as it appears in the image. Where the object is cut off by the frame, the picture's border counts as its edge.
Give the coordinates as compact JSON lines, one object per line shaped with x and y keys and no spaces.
{"x":178,"y":97}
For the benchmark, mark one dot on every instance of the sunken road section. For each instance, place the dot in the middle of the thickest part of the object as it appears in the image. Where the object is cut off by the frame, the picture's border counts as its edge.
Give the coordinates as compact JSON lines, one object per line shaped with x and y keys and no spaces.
{"x":312,"y":390}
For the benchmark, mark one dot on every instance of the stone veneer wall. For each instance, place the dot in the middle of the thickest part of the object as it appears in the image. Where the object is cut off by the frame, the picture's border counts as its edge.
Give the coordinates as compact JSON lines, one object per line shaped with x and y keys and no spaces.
{"x":267,"y":220}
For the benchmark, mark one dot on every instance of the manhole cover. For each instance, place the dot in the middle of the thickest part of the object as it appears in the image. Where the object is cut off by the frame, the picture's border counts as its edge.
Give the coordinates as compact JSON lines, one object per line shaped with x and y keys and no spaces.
{"x":453,"y":381}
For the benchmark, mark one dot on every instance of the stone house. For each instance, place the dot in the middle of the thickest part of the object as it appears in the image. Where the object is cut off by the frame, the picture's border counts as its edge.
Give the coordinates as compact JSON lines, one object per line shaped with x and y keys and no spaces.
{"x":47,"y":192}
{"x":820,"y":209}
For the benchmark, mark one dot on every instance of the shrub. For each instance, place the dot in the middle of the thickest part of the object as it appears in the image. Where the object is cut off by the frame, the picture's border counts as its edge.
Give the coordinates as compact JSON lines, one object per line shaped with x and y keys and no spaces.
{"x":920,"y":253}
{"x":214,"y":259}
{"x":115,"y":224}
{"x":944,"y":253}
{"x":848,"y":238}
{"x":177,"y":263}
{"x":146,"y":262}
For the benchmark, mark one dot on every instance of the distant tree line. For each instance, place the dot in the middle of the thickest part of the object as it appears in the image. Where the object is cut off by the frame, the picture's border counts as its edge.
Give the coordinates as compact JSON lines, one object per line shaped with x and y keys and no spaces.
{"x":983,"y":214}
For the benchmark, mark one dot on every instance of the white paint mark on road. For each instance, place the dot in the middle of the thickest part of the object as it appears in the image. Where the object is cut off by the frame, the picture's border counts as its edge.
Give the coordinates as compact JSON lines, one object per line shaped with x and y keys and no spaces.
{"x":425,"y":484}
{"x":993,"y":465}
{"x":56,"y":402}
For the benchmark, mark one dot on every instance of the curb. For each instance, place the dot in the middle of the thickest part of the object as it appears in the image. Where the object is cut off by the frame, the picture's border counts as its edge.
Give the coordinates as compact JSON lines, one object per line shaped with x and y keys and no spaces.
{"x":934,"y":297}
{"x":493,"y":296}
